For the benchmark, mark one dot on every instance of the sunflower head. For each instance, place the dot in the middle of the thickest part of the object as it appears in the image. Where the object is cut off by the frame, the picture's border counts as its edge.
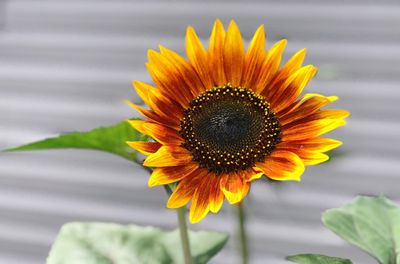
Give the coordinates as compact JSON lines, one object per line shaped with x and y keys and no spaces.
{"x":225,"y":117}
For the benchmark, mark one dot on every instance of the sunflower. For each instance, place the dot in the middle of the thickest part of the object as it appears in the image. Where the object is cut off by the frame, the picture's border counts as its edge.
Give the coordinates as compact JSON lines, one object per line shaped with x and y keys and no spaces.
{"x":226,"y":117}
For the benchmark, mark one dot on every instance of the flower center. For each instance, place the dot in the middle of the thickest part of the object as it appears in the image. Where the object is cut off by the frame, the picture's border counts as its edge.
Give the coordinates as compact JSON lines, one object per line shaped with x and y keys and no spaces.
{"x":228,"y":129}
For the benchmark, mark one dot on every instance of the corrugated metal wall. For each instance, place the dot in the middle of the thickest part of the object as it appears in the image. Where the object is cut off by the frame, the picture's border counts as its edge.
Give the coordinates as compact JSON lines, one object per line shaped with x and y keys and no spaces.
{"x":67,"y":65}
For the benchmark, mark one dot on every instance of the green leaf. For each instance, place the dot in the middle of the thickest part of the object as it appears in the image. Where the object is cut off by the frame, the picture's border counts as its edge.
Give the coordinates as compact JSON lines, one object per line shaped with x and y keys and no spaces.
{"x":102,"y":243}
{"x":371,"y":223}
{"x":317,"y":259}
{"x":110,"y":139}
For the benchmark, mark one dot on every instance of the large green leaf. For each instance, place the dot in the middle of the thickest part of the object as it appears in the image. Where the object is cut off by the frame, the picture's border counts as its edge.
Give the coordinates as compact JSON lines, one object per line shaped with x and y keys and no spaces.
{"x":317,"y":259}
{"x":371,"y":223}
{"x":110,"y":139}
{"x":101,"y":243}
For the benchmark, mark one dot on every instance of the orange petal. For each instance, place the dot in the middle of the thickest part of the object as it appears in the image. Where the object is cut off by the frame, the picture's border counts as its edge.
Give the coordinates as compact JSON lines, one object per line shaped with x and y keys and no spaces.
{"x":187,"y":71}
{"x":168,"y":79}
{"x":254,"y":58}
{"x":313,"y":144}
{"x":329,"y":114}
{"x":138,"y":125}
{"x":158,"y":132}
{"x":280,"y":77}
{"x":216,"y":51}
{"x":311,"y":129}
{"x":269,"y":68}
{"x":312,"y":158}
{"x":164,"y":107}
{"x":161,"y":104}
{"x":234,"y":187}
{"x":293,"y":64}
{"x":282,"y":166}
{"x":251,"y":175}
{"x":146,"y":148}
{"x":233,"y":54}
{"x":308,"y":157}
{"x":174,"y":67}
{"x":216,"y":195}
{"x":309,"y":104}
{"x":186,"y":188}
{"x":171,"y":122}
{"x":198,"y":56}
{"x":292,"y":87}
{"x":166,"y":175}
{"x":201,"y":201}
{"x":143,"y":90}
{"x":168,"y":156}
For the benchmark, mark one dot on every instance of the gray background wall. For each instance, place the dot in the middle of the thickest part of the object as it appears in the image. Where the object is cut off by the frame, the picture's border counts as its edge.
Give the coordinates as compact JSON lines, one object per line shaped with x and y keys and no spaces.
{"x":67,"y":65}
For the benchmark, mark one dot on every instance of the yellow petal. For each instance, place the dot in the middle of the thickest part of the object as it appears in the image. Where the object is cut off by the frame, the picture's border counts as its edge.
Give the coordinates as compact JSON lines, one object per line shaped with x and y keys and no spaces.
{"x":168,"y":156}
{"x":158,"y":132}
{"x":269,"y":68}
{"x":280,"y":77}
{"x":282,"y":166}
{"x":254,"y":58}
{"x":165,"y":108}
{"x":254,"y":176}
{"x":329,"y":114}
{"x":186,"y":188}
{"x":308,"y":104}
{"x":200,"y":205}
{"x":292,"y":87}
{"x":198,"y":57}
{"x":168,"y":79}
{"x":233,"y":54}
{"x":216,"y":195}
{"x":216,"y":51}
{"x":312,"y":158}
{"x":186,"y":70}
{"x":311,"y":129}
{"x":234,"y":187}
{"x":143,"y":89}
{"x":146,"y":148}
{"x":308,"y":157}
{"x":312,"y":144}
{"x":166,"y":175}
{"x":172,"y":121}
{"x":294,"y":63}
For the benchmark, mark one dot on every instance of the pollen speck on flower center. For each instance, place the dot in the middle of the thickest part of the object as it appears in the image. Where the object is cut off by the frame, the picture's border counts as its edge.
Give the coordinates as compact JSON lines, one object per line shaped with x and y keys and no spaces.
{"x":229,"y":129}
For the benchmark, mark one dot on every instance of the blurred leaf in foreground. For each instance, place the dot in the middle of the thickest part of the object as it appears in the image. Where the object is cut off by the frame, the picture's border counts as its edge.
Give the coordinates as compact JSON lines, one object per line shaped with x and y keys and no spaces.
{"x":110,"y":139}
{"x":371,"y":223}
{"x":317,"y":259}
{"x":101,"y":243}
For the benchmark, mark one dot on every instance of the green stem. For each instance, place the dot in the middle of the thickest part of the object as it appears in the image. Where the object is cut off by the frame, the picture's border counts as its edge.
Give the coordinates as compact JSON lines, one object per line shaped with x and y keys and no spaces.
{"x":184,"y":235}
{"x":242,"y":233}
{"x":183,"y":230}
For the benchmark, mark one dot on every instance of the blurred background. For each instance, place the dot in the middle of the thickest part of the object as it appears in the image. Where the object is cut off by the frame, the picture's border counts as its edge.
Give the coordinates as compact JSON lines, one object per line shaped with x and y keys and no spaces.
{"x":67,"y":66}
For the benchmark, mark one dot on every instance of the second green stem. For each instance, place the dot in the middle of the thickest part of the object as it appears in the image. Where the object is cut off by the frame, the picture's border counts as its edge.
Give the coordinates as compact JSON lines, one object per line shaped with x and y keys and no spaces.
{"x":242,"y":233}
{"x":184,"y":235}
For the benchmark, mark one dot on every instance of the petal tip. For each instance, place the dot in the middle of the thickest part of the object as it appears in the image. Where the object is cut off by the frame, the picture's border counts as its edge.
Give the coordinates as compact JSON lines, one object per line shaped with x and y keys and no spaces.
{"x":232,"y":22}
{"x":190,"y":31}
{"x":151,"y":54}
{"x":170,"y":204}
{"x":218,"y":22}
{"x":136,"y":124}
{"x":338,"y":143}
{"x":332,"y":98}
{"x":302,"y":52}
{"x":152,"y":183}
{"x":194,"y":220}
{"x":233,"y":27}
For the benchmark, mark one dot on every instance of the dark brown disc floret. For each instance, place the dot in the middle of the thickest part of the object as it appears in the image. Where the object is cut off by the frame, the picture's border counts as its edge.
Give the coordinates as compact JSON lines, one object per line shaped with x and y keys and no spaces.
{"x":229,"y":129}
